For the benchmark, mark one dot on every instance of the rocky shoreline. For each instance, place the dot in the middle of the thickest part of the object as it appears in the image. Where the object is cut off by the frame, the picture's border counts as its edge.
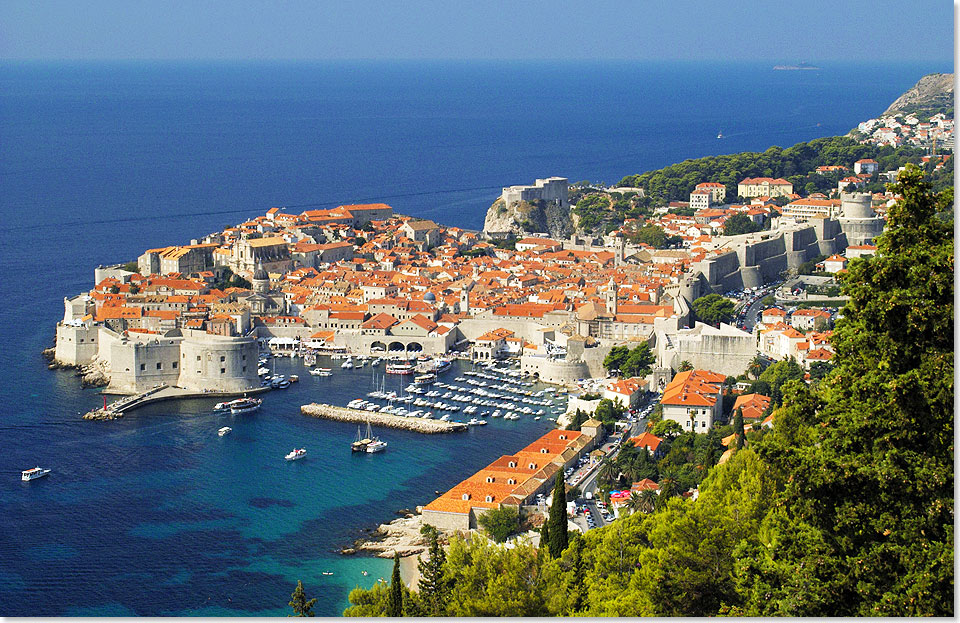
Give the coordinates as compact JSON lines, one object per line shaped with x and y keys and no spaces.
{"x":91,"y":375}
{"x":400,"y":535}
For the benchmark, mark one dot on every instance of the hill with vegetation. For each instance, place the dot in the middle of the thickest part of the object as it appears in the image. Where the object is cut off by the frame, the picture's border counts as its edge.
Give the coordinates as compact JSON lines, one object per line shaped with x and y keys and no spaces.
{"x":844,"y":508}
{"x":931,"y":95}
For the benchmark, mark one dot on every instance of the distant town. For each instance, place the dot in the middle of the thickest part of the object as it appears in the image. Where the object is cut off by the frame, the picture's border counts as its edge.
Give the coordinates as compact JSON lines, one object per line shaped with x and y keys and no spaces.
{"x":362,"y":280}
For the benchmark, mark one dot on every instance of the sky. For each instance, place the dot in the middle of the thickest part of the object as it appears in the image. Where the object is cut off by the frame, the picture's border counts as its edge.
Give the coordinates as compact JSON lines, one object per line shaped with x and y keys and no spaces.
{"x":808,"y":30}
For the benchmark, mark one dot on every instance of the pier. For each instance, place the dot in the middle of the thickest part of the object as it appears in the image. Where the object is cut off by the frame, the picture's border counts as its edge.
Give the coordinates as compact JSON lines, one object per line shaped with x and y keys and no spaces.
{"x":417,"y":425}
{"x":159,"y":393}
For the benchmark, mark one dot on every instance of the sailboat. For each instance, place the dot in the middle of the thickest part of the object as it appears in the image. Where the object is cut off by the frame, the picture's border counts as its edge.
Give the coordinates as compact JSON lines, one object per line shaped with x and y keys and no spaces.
{"x":361,"y":442}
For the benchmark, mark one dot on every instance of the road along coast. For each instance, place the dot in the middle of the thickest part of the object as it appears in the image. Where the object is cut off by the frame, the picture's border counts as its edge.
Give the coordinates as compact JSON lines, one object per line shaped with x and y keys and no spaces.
{"x":417,"y":425}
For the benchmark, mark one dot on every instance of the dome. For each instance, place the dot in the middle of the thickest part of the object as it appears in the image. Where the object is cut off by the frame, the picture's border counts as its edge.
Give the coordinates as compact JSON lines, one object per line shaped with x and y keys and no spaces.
{"x":260,"y":274}
{"x":430,"y":296}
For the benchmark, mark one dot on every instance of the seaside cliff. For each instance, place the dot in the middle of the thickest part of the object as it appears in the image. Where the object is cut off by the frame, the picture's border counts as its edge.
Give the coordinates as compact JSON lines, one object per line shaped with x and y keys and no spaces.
{"x":521,"y":217}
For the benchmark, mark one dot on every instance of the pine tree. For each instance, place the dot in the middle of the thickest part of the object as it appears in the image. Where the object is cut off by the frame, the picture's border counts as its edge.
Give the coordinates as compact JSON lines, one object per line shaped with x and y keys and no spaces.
{"x":395,"y":605}
{"x":301,"y":606}
{"x":434,"y":588}
{"x":738,"y":428}
{"x":578,"y":576}
{"x":558,"y":518}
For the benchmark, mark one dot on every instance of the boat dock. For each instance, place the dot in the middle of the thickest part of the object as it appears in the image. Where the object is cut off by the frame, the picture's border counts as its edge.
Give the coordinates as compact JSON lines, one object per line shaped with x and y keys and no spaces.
{"x":417,"y":425}
{"x":159,"y":393}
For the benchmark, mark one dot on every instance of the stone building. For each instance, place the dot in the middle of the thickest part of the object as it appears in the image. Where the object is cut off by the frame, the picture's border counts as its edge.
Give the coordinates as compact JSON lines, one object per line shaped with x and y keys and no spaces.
{"x":556,"y":189}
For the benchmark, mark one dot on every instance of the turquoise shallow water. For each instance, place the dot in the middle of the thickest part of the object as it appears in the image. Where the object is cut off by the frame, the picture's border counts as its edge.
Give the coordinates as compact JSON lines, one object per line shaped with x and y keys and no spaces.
{"x":155,"y":514}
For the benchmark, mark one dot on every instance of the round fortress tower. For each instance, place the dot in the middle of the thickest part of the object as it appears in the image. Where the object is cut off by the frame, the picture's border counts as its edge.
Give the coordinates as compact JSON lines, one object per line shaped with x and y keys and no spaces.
{"x":859,"y":221}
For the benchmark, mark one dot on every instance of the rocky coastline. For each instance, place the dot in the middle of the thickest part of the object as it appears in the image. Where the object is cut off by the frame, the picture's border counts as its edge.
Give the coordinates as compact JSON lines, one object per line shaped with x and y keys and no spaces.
{"x":400,"y":536}
{"x":91,"y":375}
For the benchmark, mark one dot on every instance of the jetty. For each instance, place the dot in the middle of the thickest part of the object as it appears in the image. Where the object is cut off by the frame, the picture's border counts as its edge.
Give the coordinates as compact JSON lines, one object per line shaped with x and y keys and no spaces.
{"x":159,"y":393}
{"x":417,"y":425}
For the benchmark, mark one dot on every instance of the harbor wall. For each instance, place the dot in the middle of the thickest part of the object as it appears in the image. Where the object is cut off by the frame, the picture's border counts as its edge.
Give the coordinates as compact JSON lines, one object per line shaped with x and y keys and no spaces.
{"x":417,"y":425}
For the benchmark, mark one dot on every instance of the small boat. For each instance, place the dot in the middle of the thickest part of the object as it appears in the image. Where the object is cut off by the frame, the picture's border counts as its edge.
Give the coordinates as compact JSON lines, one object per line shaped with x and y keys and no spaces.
{"x":245,"y":405}
{"x":720,"y":135}
{"x":376,"y":445}
{"x":293,"y":378}
{"x":424,"y":379}
{"x":224,"y":431}
{"x":365,"y":572}
{"x":347,"y":365}
{"x":326,"y":573}
{"x":33,"y":473}
{"x":309,"y":359}
{"x":296,"y":453}
{"x":442,"y":365}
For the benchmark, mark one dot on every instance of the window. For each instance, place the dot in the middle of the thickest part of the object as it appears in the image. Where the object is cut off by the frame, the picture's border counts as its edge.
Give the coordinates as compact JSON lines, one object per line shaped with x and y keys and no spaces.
{"x":198,"y":357}
{"x":512,"y":464}
{"x":222,"y":358}
{"x":143,"y":366}
{"x":244,"y":368}
{"x":159,"y":365}
{"x":532,"y":466}
{"x":223,"y":370}
{"x":489,"y":478}
{"x":563,"y":436}
{"x":244,"y":357}
{"x":489,"y":498}
{"x":465,"y":496}
{"x":175,"y":365}
{"x":511,"y":481}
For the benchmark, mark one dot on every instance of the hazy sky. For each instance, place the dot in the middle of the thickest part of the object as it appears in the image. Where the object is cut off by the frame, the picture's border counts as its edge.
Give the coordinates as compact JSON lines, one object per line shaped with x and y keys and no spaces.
{"x":789,"y":30}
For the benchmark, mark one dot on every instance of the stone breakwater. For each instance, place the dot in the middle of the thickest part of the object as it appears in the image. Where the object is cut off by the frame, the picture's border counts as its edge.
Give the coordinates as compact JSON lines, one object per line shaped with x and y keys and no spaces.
{"x":417,"y":425}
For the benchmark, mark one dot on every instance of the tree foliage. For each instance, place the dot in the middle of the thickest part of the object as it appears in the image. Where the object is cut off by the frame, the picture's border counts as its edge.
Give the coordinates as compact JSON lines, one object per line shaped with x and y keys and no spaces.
{"x":558,"y":518}
{"x":713,"y":309}
{"x":499,"y":523}
{"x":302,"y":607}
{"x":630,"y":362}
{"x":740,"y":224}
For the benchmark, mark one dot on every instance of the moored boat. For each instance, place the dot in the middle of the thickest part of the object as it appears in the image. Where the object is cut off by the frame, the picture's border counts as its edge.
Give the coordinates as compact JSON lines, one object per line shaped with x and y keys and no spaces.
{"x":400,"y":367}
{"x":360,"y":444}
{"x":224,"y":431}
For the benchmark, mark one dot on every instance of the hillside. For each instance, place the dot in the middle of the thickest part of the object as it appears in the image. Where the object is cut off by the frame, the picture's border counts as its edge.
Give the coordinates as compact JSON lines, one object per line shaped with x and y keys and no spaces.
{"x":932,"y":94}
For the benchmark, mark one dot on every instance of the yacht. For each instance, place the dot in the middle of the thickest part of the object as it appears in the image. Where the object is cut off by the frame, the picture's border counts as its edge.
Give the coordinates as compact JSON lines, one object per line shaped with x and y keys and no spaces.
{"x":442,"y":365}
{"x":296,"y":453}
{"x":32,"y":474}
{"x":245,"y":405}
{"x":224,"y":431}
{"x":376,"y":446}
{"x":424,"y":379}
{"x":347,"y":365}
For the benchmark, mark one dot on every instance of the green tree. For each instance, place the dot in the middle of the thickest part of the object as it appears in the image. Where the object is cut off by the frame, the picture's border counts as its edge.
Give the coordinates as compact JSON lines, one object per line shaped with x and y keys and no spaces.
{"x":499,"y":523}
{"x":740,"y":224}
{"x":685,"y":365}
{"x":667,"y":429}
{"x":395,"y":604}
{"x":558,"y":518}
{"x":302,"y":607}
{"x":132,"y":267}
{"x":616,"y":358}
{"x":433,"y":586}
{"x":134,"y":288}
{"x":864,"y":525}
{"x":713,"y":309}
{"x":738,"y":428}
{"x":755,"y":368}
{"x":638,"y":362}
{"x":114,"y":290}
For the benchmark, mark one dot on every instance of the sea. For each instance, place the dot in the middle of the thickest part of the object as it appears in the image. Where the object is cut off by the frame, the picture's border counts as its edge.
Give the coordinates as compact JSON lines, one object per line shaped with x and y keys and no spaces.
{"x":154,"y":514}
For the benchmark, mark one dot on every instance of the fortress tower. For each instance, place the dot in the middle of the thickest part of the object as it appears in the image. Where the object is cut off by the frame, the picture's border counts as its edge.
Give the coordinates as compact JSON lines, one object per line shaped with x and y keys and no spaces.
{"x":859,"y":221}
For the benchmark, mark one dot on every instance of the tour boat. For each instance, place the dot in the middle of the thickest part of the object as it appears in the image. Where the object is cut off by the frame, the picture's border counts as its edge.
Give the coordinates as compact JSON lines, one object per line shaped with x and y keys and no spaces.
{"x":32,"y":474}
{"x":400,"y":367}
{"x":320,"y":372}
{"x":296,"y":453}
{"x":424,"y":379}
{"x":224,"y":431}
{"x":442,"y":365}
{"x":245,"y":405}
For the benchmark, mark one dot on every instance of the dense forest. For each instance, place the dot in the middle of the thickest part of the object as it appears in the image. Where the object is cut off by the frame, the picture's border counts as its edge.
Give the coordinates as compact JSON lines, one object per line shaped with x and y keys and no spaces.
{"x":795,"y":164}
{"x":843,"y":508}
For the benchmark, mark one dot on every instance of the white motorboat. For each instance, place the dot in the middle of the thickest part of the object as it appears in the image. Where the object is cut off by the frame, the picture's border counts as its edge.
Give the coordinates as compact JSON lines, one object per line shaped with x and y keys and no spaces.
{"x":245,"y":405}
{"x":295,"y":454}
{"x":224,"y":431}
{"x":347,"y":365}
{"x":33,"y":473}
{"x":376,"y":445}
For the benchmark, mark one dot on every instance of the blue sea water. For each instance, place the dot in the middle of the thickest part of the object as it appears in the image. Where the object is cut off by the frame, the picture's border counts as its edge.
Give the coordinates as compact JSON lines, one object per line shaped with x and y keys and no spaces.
{"x":156,"y":515}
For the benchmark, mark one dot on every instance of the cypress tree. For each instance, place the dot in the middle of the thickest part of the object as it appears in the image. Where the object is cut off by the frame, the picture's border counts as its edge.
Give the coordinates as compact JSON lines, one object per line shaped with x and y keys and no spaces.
{"x":578,"y":577}
{"x":433,"y":587}
{"x":545,"y":534}
{"x":738,"y":428}
{"x":301,"y":606}
{"x":395,"y":605}
{"x":558,"y":518}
